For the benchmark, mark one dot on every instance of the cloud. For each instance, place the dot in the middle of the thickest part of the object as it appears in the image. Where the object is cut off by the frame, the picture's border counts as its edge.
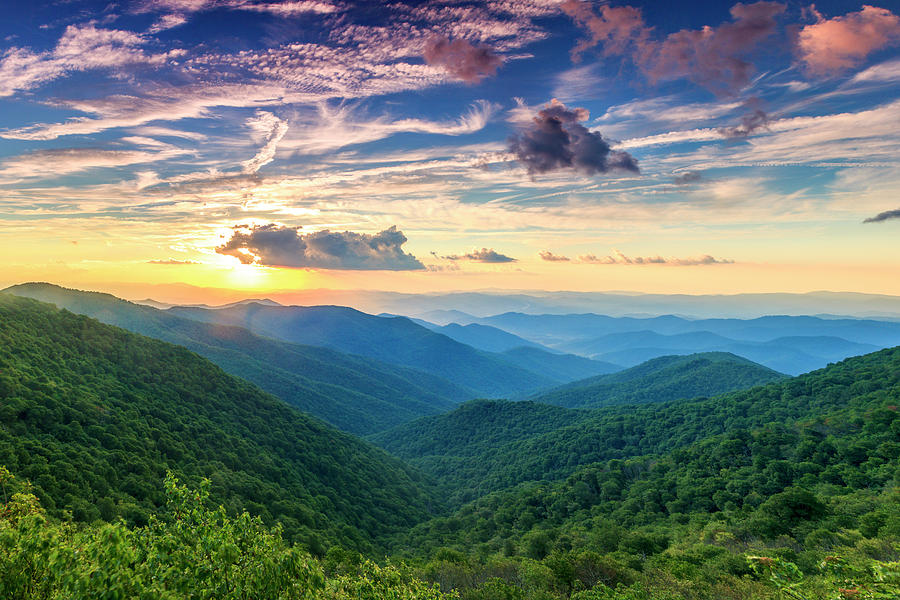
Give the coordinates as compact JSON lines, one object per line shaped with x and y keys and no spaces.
{"x":331,"y":127}
{"x":178,"y":10}
{"x":550,"y":257}
{"x":461,"y":59}
{"x":288,"y":8}
{"x":555,"y":139}
{"x":885,"y":216}
{"x":274,"y":129}
{"x":280,"y":246}
{"x":687,"y":178}
{"x":615,"y":28}
{"x":886,"y":71}
{"x":834,"y":45}
{"x":618,"y":258}
{"x":45,"y":164}
{"x":750,"y":123}
{"x":713,"y":57}
{"x":485,"y":255}
{"x":173,"y":261}
{"x":80,"y":48}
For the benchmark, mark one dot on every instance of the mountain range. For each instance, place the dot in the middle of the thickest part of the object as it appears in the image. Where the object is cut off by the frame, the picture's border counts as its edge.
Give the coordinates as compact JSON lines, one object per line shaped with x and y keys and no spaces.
{"x":788,"y":344}
{"x":656,"y":481}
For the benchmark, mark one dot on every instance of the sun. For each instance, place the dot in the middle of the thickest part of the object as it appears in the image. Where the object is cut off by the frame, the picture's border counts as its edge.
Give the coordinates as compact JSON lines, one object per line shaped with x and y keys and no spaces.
{"x":247,"y":276}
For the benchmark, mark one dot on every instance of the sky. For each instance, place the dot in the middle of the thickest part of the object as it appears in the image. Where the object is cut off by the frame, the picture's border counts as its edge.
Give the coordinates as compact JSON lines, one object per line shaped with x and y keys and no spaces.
{"x":258,"y":145}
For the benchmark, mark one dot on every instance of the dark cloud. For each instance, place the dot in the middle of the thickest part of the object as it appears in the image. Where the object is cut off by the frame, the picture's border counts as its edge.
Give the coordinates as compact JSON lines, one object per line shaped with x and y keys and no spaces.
{"x":687,"y":178}
{"x":749,"y":124}
{"x":461,"y":59}
{"x":280,"y":246}
{"x":885,"y":216}
{"x":550,"y":257}
{"x":173,"y":261}
{"x":713,"y":57}
{"x":485,"y":255}
{"x":618,"y":258}
{"x":556,"y":139}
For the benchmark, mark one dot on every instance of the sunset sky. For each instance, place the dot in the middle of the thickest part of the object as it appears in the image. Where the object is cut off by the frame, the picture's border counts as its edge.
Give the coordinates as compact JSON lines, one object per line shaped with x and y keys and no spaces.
{"x":261,"y":145}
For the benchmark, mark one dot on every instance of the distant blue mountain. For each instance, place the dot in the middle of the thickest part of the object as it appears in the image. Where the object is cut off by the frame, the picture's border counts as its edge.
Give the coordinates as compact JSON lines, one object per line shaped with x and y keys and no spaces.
{"x":789,"y":344}
{"x":396,"y":340}
{"x":484,"y":337}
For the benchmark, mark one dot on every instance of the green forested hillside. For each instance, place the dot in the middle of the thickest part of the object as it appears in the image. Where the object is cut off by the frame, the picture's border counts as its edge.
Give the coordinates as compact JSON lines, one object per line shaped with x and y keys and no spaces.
{"x":356,"y":394}
{"x":663,"y":379}
{"x":801,"y":494}
{"x":447,"y":448}
{"x":94,"y":416}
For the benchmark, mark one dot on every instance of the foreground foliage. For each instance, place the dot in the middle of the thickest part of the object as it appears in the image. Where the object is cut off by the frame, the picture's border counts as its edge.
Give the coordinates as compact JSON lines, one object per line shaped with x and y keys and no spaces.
{"x":188,"y":552}
{"x":192,"y":551}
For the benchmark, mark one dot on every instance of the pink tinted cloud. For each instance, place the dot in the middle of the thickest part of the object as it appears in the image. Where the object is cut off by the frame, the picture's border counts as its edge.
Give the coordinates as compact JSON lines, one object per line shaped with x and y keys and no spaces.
{"x":461,"y":59}
{"x":713,"y":57}
{"x":833,"y":45}
{"x":615,"y":27}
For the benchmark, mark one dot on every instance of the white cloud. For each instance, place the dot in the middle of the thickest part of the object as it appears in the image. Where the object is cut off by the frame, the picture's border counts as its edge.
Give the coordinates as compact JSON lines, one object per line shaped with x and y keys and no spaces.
{"x":80,"y":48}
{"x":884,"y":72}
{"x":274,"y":130}
{"x":46,"y":164}
{"x":331,"y":128}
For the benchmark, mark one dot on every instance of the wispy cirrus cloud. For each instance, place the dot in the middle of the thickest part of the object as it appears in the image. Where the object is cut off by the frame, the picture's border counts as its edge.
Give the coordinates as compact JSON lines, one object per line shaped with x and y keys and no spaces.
{"x":178,"y":12}
{"x":80,"y":48}
{"x":887,"y":71}
{"x":53,"y":163}
{"x":332,"y":127}
{"x":274,"y":129}
{"x":796,"y":140}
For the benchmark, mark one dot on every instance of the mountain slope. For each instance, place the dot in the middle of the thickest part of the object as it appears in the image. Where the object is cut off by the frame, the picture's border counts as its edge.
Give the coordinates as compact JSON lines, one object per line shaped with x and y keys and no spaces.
{"x":395,"y":340}
{"x":353,"y":393}
{"x":663,"y":379}
{"x":561,"y":367}
{"x":94,"y":416}
{"x":467,"y":469}
{"x":483,"y":337}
